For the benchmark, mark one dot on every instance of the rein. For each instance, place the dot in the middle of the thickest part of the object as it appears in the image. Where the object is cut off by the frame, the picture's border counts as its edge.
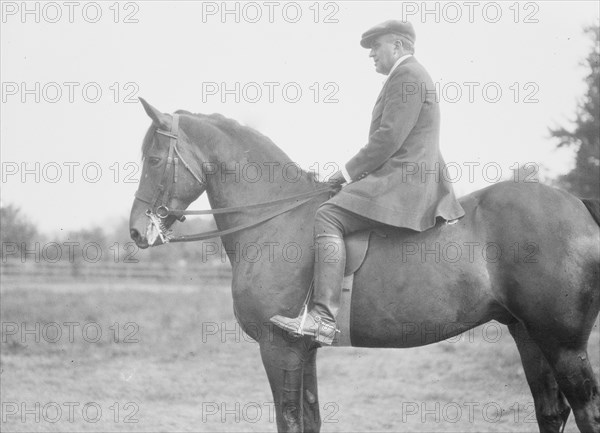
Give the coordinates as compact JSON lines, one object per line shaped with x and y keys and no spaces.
{"x":163,"y":211}
{"x":265,"y":218}
{"x":160,"y":212}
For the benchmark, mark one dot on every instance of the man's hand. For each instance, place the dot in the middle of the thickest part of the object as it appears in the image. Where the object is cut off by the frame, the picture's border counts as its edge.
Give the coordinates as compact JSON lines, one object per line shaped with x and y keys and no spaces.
{"x":336,"y":181}
{"x":337,"y":178}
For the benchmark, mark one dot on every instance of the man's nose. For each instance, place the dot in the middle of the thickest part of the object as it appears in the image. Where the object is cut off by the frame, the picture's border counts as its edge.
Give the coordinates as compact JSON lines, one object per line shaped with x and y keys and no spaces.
{"x":372,"y":53}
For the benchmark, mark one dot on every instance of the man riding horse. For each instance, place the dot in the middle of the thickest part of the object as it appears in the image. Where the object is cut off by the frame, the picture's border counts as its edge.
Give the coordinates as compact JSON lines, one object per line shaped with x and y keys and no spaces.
{"x":394,"y":180}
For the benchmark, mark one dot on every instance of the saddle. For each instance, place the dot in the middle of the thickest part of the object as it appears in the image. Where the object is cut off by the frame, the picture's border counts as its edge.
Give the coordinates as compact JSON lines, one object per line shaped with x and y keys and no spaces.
{"x":357,"y":245}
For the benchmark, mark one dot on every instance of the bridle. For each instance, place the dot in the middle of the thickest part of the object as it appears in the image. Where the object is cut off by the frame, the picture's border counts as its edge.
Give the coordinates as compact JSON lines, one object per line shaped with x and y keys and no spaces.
{"x":160,"y":198}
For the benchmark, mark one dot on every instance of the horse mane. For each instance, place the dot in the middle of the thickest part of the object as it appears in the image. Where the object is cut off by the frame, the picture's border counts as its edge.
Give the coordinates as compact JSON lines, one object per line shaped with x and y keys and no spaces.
{"x":241,"y":134}
{"x":238,"y":133}
{"x":251,"y":138}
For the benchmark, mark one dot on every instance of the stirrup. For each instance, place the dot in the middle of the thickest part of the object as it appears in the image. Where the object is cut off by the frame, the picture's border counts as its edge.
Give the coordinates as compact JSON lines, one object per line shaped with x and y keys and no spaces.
{"x":326,"y":332}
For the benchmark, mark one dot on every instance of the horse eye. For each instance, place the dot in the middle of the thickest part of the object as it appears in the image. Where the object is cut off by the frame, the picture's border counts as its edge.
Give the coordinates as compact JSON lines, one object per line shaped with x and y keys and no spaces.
{"x":153,"y":160}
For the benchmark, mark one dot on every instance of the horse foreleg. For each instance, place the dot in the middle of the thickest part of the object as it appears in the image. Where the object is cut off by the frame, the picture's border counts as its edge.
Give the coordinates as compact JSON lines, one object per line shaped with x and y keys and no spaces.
{"x":551,"y":407}
{"x":283,"y":359}
{"x":311,"y":414}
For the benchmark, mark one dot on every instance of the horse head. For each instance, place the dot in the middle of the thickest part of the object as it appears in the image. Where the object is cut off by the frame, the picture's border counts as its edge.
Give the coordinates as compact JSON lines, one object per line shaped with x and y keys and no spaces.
{"x":171,"y":177}
{"x":185,"y":154}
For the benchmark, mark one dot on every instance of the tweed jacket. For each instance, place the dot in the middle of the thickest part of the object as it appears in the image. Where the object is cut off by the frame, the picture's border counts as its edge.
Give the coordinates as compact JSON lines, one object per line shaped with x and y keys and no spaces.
{"x":397,"y":177}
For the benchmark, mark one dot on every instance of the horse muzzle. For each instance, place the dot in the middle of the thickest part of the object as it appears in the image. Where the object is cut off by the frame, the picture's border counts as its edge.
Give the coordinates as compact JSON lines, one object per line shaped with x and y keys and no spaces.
{"x":138,"y":238}
{"x":153,"y":234}
{"x":146,"y":229}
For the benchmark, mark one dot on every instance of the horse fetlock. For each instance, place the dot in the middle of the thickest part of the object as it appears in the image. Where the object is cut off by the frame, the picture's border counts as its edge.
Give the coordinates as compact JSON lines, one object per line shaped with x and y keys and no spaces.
{"x":291,"y":413}
{"x":551,"y":422}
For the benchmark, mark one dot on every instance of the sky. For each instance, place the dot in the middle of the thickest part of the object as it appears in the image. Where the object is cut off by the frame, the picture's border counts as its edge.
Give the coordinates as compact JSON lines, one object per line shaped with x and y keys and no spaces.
{"x":71,"y":125}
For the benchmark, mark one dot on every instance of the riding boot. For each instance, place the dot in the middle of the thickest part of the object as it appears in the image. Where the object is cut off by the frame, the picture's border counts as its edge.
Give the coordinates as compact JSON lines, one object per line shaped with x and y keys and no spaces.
{"x":319,"y":322}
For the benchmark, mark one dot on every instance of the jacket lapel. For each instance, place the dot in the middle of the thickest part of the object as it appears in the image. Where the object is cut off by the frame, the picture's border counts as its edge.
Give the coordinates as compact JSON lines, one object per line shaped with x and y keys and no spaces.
{"x":378,"y":109}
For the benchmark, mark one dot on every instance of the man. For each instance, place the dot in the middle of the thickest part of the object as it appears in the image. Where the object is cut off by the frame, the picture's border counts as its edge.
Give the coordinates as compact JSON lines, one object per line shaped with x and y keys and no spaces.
{"x":395,"y":179}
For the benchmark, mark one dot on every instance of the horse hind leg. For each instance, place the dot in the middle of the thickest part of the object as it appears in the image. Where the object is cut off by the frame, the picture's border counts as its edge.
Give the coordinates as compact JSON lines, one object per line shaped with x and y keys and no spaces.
{"x":576,"y":379}
{"x":551,"y":407}
{"x":568,"y":358}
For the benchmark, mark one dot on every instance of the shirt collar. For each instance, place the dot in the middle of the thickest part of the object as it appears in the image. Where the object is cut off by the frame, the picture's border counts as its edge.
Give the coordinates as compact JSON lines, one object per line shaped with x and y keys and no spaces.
{"x":400,"y":60}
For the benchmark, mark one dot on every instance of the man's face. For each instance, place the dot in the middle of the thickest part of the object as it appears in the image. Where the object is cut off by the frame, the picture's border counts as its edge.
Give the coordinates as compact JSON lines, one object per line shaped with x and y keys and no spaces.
{"x":385,"y":53}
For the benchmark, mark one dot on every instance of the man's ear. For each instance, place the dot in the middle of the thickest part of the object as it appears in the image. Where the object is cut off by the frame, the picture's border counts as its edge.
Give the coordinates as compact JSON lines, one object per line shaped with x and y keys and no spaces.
{"x":398,"y":44}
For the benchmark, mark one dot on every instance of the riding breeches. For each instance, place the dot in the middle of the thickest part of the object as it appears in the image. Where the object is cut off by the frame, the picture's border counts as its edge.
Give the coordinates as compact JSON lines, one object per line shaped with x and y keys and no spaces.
{"x":334,"y":220}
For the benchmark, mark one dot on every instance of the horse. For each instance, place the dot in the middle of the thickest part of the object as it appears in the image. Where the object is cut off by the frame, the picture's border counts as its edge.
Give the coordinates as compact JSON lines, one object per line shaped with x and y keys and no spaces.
{"x":547,"y":292}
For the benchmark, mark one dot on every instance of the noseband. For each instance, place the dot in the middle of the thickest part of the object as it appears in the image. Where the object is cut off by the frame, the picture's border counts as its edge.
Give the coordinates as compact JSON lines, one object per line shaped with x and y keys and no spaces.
{"x":160,"y":198}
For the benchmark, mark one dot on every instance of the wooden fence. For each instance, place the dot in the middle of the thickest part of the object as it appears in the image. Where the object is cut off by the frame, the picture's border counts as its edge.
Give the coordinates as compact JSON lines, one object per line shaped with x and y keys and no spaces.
{"x":11,"y":270}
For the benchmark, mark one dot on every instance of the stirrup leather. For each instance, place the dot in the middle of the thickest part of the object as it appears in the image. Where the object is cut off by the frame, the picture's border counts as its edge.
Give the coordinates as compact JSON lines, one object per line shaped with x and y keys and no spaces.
{"x":303,"y":320}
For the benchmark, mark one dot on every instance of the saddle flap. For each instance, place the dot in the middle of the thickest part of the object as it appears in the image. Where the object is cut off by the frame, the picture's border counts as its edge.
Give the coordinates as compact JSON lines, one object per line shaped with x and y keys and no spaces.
{"x":356,"y":250}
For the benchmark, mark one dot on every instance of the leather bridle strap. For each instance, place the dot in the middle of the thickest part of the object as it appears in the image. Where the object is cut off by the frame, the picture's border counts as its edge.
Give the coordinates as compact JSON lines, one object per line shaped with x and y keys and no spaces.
{"x":159,"y":200}
{"x":164,"y":182}
{"x":217,"y":233}
{"x":154,"y":200}
{"x":174,"y":138}
{"x":301,"y":196}
{"x":300,"y":199}
{"x":200,"y":180}
{"x":162,"y":211}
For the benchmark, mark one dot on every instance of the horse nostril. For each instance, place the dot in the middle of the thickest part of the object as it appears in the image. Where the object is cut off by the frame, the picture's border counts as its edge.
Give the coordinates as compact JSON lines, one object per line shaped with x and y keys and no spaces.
{"x":135,"y":235}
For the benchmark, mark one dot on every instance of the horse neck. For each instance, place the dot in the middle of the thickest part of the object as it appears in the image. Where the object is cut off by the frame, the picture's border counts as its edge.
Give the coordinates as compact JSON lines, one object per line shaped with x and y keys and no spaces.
{"x":240,"y":173}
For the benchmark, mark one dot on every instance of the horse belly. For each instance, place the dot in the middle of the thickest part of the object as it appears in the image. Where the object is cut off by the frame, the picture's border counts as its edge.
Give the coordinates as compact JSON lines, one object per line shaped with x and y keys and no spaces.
{"x":405,"y":299}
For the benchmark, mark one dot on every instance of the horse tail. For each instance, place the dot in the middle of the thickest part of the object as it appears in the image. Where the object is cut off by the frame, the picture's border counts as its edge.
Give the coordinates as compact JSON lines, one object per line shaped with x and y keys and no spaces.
{"x":593,"y":205}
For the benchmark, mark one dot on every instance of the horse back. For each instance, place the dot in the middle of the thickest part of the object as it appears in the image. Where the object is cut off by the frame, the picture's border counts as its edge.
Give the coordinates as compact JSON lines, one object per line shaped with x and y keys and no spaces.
{"x":519,"y":252}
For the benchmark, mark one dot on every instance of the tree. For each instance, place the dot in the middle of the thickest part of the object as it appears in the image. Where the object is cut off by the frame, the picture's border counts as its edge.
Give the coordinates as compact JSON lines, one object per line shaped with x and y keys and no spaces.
{"x":584,"y":179}
{"x":16,"y":231}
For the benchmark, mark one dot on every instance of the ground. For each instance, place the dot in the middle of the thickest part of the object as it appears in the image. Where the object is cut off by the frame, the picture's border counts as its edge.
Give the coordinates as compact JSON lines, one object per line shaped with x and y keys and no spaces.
{"x":171,"y":358}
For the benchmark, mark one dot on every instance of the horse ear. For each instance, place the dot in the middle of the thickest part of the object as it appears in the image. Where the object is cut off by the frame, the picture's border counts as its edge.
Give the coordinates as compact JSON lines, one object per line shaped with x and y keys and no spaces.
{"x":159,"y":119}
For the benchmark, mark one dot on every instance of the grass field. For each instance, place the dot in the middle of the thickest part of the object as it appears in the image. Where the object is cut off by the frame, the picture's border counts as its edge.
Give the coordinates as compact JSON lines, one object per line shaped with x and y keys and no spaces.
{"x":147,"y":358}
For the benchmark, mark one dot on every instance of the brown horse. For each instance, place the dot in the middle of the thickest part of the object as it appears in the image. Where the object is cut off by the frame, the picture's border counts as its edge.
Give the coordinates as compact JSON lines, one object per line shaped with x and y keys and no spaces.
{"x":525,"y":254}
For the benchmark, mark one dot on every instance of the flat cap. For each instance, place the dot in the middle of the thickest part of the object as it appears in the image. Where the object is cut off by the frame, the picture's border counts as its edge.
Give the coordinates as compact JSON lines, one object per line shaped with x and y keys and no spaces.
{"x":403,"y":28}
